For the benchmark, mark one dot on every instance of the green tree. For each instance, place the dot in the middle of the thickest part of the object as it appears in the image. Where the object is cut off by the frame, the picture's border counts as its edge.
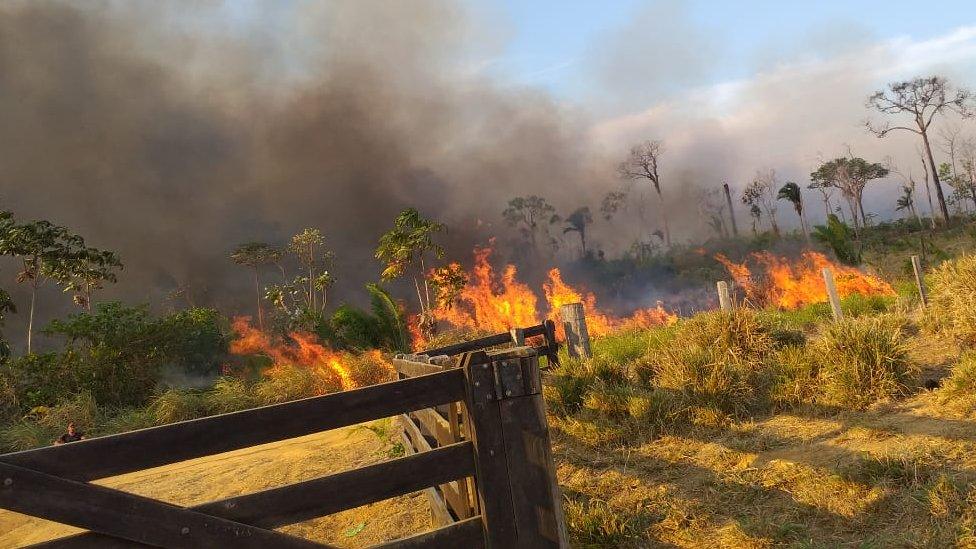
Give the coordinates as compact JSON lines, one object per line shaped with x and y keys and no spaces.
{"x":530,"y":215}
{"x":308,"y":247}
{"x":255,"y":255}
{"x":577,"y":222}
{"x":837,"y":235}
{"x":87,"y":271}
{"x":921,"y":99}
{"x":850,"y":175}
{"x":759,"y":194}
{"x":47,"y":252}
{"x":791,"y":193}
{"x":410,"y":239}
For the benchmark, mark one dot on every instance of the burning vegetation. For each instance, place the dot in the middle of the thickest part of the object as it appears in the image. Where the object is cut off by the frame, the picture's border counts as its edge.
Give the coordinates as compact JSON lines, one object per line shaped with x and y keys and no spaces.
{"x":791,"y":284}
{"x":337,"y":370}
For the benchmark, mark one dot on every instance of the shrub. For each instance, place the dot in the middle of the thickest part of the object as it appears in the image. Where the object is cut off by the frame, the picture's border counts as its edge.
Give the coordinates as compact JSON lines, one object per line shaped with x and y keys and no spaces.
{"x":128,"y":419}
{"x":566,"y":387}
{"x":25,"y":434}
{"x":952,"y":293}
{"x":862,"y":361}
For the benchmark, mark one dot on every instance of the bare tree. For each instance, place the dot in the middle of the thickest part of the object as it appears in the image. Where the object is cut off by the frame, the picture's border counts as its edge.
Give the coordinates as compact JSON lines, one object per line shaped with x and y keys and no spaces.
{"x":922,"y":99}
{"x":711,"y":208}
{"x":642,"y":163}
{"x":928,"y":188}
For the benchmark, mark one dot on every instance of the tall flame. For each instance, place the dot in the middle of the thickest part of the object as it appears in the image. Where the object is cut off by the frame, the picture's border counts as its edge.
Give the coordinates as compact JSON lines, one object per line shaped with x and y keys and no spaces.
{"x":790,"y":285}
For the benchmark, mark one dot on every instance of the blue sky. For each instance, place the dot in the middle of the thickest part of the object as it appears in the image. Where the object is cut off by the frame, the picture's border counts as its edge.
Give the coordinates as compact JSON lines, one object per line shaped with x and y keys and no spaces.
{"x":550,"y":40}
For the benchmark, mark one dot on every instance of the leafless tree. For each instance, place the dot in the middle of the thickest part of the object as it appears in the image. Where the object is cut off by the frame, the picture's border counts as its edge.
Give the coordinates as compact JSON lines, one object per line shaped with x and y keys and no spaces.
{"x":711,"y":208}
{"x":922,"y":99}
{"x":642,"y":163}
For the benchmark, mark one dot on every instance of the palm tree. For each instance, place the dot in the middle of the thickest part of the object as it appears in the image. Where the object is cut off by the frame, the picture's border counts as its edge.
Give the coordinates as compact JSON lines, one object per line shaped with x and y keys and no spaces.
{"x":791,"y":192}
{"x":577,"y":221}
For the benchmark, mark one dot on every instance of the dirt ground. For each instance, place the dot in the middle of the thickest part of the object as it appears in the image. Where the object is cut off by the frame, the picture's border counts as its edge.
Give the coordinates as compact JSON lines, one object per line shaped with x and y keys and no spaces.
{"x":259,"y":468}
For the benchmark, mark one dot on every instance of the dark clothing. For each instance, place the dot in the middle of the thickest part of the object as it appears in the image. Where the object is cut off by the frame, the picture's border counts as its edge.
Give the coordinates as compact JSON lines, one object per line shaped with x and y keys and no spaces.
{"x":66,"y":438}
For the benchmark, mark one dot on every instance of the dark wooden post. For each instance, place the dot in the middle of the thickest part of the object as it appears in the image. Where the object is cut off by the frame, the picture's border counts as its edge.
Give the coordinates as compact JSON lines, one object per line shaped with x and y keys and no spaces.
{"x":577,"y":337}
{"x":520,"y":500}
{"x":728,"y":198}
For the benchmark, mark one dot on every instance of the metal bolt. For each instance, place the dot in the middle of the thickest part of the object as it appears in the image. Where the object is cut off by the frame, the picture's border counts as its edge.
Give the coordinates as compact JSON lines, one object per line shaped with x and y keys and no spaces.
{"x":485,"y":366}
{"x":8,"y":481}
{"x":508,"y":393}
{"x":477,"y":384}
{"x":185,"y":530}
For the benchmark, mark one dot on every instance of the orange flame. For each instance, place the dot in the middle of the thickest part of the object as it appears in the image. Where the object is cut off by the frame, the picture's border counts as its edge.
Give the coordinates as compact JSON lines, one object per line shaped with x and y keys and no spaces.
{"x":305,"y":351}
{"x":498,"y":303}
{"x":791,"y":285}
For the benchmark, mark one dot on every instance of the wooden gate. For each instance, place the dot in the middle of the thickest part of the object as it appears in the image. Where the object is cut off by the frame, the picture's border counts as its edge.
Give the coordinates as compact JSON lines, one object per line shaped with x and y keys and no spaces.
{"x":495,"y":470}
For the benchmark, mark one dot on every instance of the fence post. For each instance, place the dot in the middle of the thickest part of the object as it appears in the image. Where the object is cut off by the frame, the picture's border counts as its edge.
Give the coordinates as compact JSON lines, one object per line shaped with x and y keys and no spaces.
{"x":828,"y":277}
{"x":920,"y":280}
{"x":724,"y":300}
{"x":521,"y":505}
{"x":577,"y":337}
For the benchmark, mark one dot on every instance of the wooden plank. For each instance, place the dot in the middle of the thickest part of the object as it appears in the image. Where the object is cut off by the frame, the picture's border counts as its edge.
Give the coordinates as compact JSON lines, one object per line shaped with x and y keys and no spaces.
{"x":137,"y":450}
{"x":464,"y":485}
{"x":466,"y":533}
{"x":310,"y":499}
{"x":438,"y":508}
{"x":435,"y":425}
{"x":411,"y":368}
{"x":484,"y":342}
{"x":485,"y":431}
{"x":128,"y":516}
{"x":450,"y":492}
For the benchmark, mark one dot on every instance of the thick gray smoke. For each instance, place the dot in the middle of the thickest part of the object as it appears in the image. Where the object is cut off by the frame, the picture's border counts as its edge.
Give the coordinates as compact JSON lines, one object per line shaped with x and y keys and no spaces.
{"x":160,"y":133}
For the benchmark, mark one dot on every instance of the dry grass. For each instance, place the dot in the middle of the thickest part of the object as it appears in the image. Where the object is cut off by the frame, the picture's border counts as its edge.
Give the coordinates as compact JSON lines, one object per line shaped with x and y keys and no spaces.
{"x":952,"y":293}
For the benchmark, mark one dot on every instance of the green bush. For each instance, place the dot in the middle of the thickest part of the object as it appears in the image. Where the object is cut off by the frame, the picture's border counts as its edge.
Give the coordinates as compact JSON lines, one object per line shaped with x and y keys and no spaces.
{"x":862,"y":361}
{"x":952,"y":293}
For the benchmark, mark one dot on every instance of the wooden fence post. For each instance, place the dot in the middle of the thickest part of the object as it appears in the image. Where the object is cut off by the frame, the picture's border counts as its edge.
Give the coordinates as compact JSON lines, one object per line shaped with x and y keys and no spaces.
{"x":920,"y":280}
{"x":724,"y":300}
{"x":828,"y":277}
{"x":577,"y":337}
{"x":521,"y":505}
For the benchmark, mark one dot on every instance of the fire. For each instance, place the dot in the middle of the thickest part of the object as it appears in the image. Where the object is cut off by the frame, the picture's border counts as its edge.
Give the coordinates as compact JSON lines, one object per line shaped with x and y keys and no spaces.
{"x":304,"y":350}
{"x":489,"y":301}
{"x":790,"y":285}
{"x":558,"y":293}
{"x":497,"y":303}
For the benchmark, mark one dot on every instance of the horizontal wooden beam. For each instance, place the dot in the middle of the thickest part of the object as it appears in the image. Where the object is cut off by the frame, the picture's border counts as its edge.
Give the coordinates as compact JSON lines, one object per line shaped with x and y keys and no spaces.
{"x":482,"y":343}
{"x":465,"y":533}
{"x":128,"y":516}
{"x":326,"y":495}
{"x":117,"y":454}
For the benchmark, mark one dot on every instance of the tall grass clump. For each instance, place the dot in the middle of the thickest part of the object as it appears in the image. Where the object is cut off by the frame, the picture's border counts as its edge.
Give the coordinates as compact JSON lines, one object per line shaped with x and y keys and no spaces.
{"x":229,"y":394}
{"x":177,"y":405}
{"x":287,"y":382}
{"x":952,"y":295}
{"x":369,"y":368}
{"x":962,"y":379}
{"x":862,"y":361}
{"x":718,"y":361}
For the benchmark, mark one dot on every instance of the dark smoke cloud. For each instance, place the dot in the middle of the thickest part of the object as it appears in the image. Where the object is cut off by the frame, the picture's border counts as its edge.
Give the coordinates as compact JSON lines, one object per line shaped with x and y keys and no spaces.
{"x":160,"y":132}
